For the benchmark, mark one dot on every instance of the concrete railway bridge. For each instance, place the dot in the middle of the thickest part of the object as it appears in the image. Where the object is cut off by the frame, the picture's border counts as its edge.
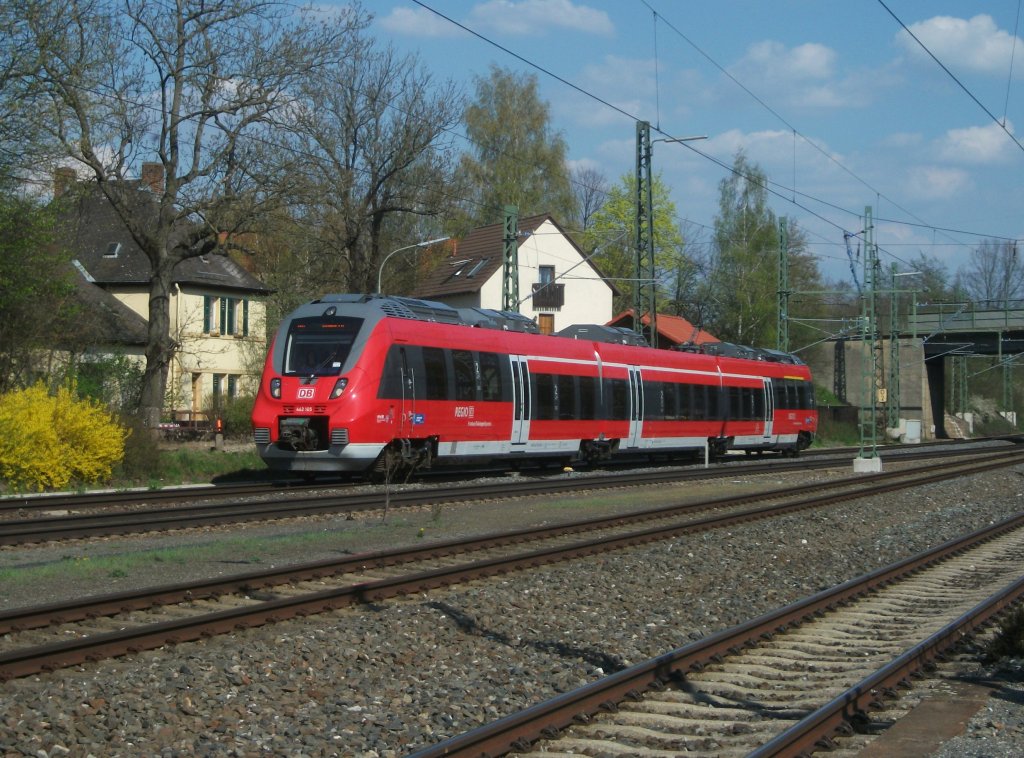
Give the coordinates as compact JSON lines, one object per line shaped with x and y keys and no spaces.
{"x":911,"y":383}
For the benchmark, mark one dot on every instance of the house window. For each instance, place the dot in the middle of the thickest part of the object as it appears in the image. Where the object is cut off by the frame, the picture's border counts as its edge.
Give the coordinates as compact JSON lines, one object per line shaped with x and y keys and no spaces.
{"x":225,"y":315}
{"x":232,"y":386}
{"x":213,"y":314}
{"x":547,"y":274}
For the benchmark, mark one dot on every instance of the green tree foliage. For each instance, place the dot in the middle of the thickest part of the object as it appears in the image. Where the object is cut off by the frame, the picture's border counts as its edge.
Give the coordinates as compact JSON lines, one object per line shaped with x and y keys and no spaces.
{"x":50,"y":440}
{"x":742,"y":282}
{"x":611,"y":233}
{"x":931,"y":283}
{"x":34,"y":288}
{"x":517,"y":158}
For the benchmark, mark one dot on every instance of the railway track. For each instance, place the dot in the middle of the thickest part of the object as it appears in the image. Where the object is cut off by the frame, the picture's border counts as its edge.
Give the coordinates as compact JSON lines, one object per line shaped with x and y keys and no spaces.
{"x":37,"y":639}
{"x":784,"y":684}
{"x":50,"y":520}
{"x":16,"y":506}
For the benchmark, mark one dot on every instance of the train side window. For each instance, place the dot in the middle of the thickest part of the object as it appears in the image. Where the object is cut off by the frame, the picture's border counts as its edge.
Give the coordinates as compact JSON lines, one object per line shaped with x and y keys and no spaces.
{"x":588,"y":397}
{"x":565,"y":392}
{"x":716,"y":407}
{"x":699,"y":406}
{"x":654,"y":409}
{"x":464,"y":371}
{"x":435,"y":374}
{"x":490,"y":377}
{"x":684,"y":402}
{"x":759,"y":404}
{"x":391,"y":377}
{"x":617,"y":394}
{"x":675,"y":398}
{"x":735,"y":403}
{"x":807,"y":396}
{"x":543,"y":396}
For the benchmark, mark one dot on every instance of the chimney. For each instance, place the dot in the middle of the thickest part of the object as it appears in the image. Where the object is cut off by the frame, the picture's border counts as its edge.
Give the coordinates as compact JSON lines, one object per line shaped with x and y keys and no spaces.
{"x":153,"y":177}
{"x":63,"y":179}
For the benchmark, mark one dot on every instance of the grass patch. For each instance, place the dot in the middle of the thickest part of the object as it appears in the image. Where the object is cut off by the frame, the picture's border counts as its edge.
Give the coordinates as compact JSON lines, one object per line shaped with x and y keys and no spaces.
{"x":238,"y":550}
{"x":187,"y":465}
{"x":833,"y":433}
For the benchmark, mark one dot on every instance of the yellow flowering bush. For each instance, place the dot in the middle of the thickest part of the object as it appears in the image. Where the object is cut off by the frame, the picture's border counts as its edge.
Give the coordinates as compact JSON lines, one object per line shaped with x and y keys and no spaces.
{"x":48,"y":441}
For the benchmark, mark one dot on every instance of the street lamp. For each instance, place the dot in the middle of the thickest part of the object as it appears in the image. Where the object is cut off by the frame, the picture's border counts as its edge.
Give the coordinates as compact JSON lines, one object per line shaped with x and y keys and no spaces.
{"x":427,"y":243}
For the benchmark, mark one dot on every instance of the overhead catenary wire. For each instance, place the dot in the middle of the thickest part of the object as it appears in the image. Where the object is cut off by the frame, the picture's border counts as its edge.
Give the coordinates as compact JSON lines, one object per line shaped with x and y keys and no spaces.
{"x":960,"y":84}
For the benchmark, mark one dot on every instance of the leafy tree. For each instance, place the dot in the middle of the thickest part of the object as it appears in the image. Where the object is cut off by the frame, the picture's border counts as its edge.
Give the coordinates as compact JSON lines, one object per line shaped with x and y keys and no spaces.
{"x":195,"y":85}
{"x":931,"y":281}
{"x":34,"y":288}
{"x":517,"y":158}
{"x":611,"y":233}
{"x":743,"y":280}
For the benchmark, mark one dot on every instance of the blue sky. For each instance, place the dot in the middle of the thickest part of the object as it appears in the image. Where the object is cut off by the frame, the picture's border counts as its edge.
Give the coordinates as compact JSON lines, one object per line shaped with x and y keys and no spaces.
{"x":832,"y":99}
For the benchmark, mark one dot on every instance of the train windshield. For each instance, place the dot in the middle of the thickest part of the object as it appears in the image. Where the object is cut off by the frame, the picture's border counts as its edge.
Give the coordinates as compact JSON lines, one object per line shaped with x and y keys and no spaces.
{"x":319,"y":346}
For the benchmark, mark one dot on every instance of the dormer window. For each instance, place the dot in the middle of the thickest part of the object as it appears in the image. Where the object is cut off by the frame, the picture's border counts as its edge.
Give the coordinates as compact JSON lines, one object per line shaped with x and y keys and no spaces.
{"x":113,"y":249}
{"x":476,"y":269}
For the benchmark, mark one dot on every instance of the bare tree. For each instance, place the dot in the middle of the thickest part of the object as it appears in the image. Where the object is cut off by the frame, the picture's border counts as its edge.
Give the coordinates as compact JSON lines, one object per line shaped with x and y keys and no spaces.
{"x":373,"y":132}
{"x":590,"y":188}
{"x":193,"y":84}
{"x":994,"y":275}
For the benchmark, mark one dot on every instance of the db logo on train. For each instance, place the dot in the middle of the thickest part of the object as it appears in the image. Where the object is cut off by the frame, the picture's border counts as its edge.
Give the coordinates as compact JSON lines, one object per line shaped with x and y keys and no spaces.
{"x":305,"y":393}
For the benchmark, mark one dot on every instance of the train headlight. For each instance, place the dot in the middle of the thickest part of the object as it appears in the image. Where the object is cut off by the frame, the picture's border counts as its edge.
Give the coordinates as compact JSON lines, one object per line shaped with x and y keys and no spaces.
{"x":275,"y":388}
{"x":339,"y":387}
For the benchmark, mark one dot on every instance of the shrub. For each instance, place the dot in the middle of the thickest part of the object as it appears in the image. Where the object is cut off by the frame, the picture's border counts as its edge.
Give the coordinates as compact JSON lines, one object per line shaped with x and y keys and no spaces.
{"x":236,"y":413}
{"x":48,"y":441}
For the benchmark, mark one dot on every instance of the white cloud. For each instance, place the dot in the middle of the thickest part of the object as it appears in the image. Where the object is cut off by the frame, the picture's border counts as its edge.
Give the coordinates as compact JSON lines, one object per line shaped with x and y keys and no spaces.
{"x":976,"y":144}
{"x":901,"y":140}
{"x":804,"y":62}
{"x":418,"y":22}
{"x":935,"y":183}
{"x":976,"y":44}
{"x":804,"y":75}
{"x":539,"y":16}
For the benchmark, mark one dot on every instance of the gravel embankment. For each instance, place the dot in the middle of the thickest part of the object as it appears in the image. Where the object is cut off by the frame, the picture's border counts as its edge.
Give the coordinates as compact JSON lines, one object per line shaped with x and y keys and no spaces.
{"x":385,"y":680}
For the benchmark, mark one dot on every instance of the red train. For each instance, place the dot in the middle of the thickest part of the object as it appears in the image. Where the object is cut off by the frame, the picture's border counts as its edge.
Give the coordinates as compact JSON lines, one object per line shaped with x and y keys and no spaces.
{"x":354,"y":382}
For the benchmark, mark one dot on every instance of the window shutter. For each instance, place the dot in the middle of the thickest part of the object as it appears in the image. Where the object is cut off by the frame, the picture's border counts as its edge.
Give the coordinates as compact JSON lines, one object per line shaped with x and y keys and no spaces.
{"x":224,"y":315}
{"x":207,"y":326}
{"x":245,"y":318}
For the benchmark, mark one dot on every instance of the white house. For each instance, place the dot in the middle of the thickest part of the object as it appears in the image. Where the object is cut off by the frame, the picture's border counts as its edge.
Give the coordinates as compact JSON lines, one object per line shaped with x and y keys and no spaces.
{"x":558,"y":286}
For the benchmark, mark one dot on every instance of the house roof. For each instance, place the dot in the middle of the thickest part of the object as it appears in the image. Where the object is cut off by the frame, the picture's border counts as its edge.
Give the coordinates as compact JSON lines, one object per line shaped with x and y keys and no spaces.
{"x":478,"y":256}
{"x":673,"y":328}
{"x":99,"y":240}
{"x":110,"y":321}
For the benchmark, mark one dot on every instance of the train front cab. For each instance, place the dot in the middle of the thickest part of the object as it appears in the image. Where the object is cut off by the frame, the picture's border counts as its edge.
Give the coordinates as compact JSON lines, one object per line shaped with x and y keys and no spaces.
{"x":307,"y":406}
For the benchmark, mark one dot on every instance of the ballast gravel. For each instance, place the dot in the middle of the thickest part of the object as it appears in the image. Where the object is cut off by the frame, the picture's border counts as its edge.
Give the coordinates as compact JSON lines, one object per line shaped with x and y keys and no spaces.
{"x":388,"y":679}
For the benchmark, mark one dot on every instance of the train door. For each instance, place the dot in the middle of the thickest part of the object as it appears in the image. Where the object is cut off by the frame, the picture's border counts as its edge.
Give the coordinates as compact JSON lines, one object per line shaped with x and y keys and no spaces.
{"x":769,"y":411}
{"x":407,"y":398}
{"x":520,"y":401}
{"x":636,"y":407}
